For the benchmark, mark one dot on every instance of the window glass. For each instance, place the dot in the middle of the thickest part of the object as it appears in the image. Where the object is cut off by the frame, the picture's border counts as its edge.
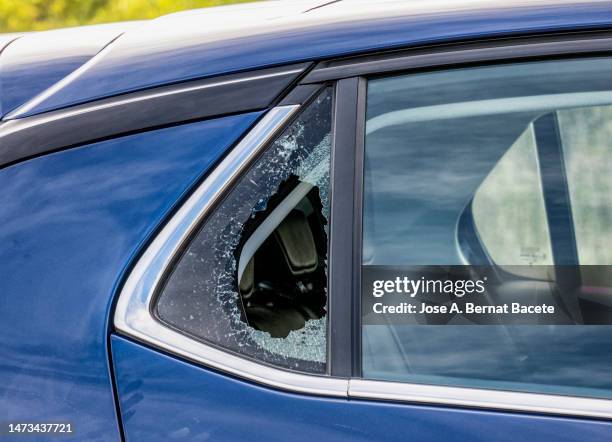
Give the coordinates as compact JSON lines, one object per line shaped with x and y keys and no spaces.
{"x":586,"y":134}
{"x":254,"y":279}
{"x":508,"y":208}
{"x":466,"y":217}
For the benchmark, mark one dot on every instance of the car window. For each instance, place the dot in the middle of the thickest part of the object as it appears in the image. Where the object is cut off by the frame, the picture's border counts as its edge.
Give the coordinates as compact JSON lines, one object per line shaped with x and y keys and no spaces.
{"x":485,"y":188}
{"x":253,"y":280}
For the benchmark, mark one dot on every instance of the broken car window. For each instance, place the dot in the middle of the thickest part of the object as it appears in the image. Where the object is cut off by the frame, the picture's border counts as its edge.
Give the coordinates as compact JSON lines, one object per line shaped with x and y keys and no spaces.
{"x":254,"y":278}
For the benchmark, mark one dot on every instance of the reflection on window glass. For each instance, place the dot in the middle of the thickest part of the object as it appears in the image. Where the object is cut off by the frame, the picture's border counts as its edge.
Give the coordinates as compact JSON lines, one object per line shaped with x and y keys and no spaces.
{"x":508,"y":208}
{"x":586,"y":134}
{"x":254,"y":279}
{"x":420,"y":176}
{"x":562,"y":359}
{"x":452,"y":177}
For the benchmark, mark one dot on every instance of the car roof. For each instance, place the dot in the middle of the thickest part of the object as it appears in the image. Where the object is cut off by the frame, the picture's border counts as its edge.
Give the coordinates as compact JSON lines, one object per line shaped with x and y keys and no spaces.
{"x":33,"y":61}
{"x":216,"y":41}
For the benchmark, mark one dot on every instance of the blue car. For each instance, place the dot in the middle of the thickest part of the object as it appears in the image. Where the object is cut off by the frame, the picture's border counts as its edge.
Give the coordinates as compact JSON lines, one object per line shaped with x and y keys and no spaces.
{"x":310,"y":220}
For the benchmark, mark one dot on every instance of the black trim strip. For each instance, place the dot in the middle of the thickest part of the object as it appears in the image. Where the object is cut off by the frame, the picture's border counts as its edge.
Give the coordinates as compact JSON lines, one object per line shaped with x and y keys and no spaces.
{"x":357,"y":225}
{"x":341,"y":261}
{"x":558,"y":212}
{"x":554,"y":187}
{"x":29,"y":137}
{"x":301,"y":94}
{"x":321,"y":6}
{"x":461,"y":53}
{"x":114,"y":387}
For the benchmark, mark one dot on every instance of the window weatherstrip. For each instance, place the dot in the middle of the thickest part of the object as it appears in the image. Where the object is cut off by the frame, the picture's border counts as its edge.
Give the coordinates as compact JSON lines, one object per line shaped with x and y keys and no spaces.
{"x":340,"y":281}
{"x":133,"y":314}
{"x":359,"y":166}
{"x":480,"y":398}
{"x":453,"y":54}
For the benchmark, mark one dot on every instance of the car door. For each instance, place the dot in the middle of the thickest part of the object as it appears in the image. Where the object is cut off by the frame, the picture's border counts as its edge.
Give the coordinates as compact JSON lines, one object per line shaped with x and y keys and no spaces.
{"x":409,"y":245}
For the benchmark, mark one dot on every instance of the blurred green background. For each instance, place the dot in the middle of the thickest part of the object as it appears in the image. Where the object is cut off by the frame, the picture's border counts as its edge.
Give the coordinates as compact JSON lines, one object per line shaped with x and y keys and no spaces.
{"x":36,"y":15}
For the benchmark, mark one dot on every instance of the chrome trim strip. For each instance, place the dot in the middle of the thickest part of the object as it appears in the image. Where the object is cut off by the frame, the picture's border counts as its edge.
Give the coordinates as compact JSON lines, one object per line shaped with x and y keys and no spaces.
{"x":133,"y":314}
{"x":11,"y":125}
{"x":480,"y":398}
{"x":45,"y":94}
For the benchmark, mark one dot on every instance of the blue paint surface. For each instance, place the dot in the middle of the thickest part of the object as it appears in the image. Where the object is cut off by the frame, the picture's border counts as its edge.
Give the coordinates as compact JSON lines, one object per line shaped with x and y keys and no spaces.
{"x":166,"y":399}
{"x":25,"y":81}
{"x":70,"y":223}
{"x":32,"y":62}
{"x":208,"y":43}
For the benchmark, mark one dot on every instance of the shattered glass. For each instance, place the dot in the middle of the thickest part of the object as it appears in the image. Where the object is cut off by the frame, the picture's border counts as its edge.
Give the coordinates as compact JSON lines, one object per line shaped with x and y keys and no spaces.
{"x":201,"y":295}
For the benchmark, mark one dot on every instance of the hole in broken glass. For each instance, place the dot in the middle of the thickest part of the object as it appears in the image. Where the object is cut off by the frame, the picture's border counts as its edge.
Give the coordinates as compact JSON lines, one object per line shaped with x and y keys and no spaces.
{"x":282,"y":261}
{"x":202,"y":296}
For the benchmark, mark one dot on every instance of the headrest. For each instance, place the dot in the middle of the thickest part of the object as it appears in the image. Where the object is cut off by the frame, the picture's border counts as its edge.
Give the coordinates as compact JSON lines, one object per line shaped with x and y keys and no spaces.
{"x":294,"y":236}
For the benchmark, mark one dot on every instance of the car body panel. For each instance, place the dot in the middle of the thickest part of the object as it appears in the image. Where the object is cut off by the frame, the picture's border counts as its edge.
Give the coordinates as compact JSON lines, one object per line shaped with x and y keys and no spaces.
{"x":32,"y":62}
{"x":72,"y":222}
{"x":162,"y":398}
{"x":222,"y":40}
